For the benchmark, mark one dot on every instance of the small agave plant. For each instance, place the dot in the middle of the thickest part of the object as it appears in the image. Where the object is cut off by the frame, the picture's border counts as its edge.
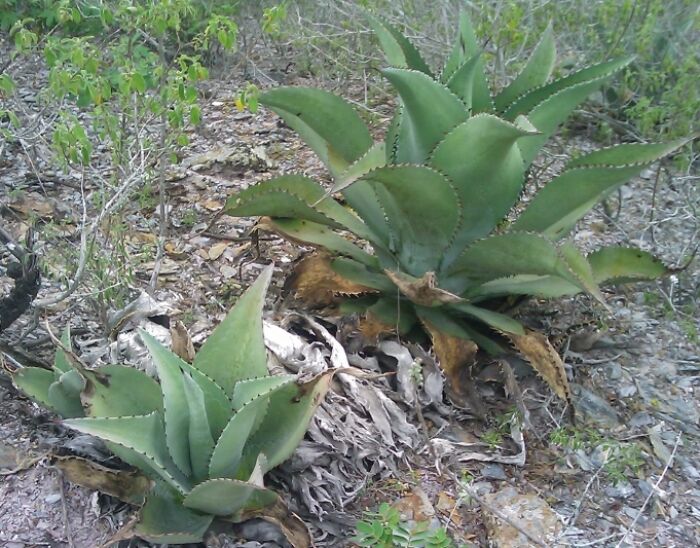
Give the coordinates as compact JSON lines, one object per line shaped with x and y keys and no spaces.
{"x":205,"y":434}
{"x":431,"y":206}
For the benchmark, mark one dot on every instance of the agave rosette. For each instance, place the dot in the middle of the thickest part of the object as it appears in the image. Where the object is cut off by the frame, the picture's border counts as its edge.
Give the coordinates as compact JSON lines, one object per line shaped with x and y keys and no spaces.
{"x":429,"y":205}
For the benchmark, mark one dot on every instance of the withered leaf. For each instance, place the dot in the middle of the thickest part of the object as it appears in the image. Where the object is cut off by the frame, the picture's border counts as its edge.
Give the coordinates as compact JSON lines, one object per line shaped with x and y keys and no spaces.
{"x":454,"y":354}
{"x":129,"y":487}
{"x":422,"y":291}
{"x":181,"y":341}
{"x":318,"y":285}
{"x":537,"y":349}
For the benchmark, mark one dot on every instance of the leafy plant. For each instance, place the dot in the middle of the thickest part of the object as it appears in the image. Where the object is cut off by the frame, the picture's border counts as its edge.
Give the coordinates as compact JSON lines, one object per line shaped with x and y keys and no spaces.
{"x":434,"y":201}
{"x":384,"y":529}
{"x":205,"y":434}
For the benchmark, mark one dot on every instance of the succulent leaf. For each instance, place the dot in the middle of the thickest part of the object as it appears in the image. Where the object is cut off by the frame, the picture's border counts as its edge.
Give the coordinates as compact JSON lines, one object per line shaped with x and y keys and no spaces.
{"x":483,"y":162}
{"x":320,"y":236}
{"x":289,"y":411}
{"x":466,"y":46}
{"x":200,"y":440}
{"x":216,"y":402}
{"x":223,"y":496}
{"x":64,"y":394}
{"x":625,"y":264}
{"x":143,"y":434}
{"x":316,"y":116}
{"x":35,"y":383}
{"x":359,"y":274}
{"x":498,"y":321}
{"x":461,"y":83}
{"x":399,"y":51}
{"x":375,"y":157}
{"x":176,"y":410}
{"x":163,"y":519}
{"x":423,"y":212}
{"x":235,"y":350}
{"x":250,"y":389}
{"x":430,"y":110}
{"x":535,"y":73}
{"x":398,"y":314}
{"x":599,"y":72}
{"x":524,"y":284}
{"x":229,"y":447}
{"x":121,"y":390}
{"x":60,"y":361}
{"x":557,"y":207}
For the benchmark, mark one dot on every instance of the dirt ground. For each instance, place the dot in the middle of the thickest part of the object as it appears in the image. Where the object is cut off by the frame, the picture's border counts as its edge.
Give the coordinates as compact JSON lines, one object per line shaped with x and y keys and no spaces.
{"x":625,"y":474}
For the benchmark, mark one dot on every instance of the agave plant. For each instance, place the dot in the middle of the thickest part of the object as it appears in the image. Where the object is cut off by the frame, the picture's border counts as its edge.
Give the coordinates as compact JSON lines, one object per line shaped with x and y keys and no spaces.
{"x":431,"y":207}
{"x":205,"y":434}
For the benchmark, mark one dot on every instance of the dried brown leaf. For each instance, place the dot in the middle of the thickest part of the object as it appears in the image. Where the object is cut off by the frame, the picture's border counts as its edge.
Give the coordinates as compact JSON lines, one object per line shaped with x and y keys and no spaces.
{"x":455,"y":355}
{"x":422,"y":291}
{"x":537,"y":349}
{"x":318,"y":285}
{"x":181,"y":341}
{"x":126,"y":486}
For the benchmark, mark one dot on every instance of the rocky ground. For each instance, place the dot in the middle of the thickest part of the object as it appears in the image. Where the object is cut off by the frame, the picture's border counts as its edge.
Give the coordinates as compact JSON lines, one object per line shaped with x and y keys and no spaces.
{"x":625,"y":473}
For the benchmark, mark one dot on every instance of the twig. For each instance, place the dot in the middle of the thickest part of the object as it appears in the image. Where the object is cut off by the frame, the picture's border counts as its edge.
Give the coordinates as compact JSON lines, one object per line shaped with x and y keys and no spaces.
{"x":495,"y":511}
{"x":651,"y":492}
{"x":64,"y":506}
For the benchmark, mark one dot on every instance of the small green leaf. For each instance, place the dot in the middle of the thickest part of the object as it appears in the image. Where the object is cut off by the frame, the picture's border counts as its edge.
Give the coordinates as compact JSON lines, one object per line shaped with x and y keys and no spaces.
{"x":222,"y":497}
{"x":624,"y":264}
{"x":176,"y":411}
{"x":535,"y":73}
{"x":201,"y":443}
{"x":399,"y":51}
{"x":316,"y":115}
{"x":430,"y":110}
{"x":236,"y":350}
{"x":35,"y":383}
{"x":165,"y":520}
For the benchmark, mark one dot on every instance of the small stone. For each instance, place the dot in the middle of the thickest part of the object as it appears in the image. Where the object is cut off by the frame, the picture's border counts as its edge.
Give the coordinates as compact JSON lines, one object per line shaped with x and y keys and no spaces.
{"x":494,"y":471}
{"x":52,"y":499}
{"x":622,"y":490}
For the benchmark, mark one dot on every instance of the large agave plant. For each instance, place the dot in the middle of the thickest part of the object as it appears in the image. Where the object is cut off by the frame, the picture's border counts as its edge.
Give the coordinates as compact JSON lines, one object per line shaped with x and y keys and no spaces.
{"x":433,"y":201}
{"x":205,"y":434}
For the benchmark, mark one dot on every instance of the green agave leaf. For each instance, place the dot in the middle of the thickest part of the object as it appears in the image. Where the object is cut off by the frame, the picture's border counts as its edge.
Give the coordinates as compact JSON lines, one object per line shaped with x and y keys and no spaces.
{"x":461,"y":83}
{"x":250,"y":389}
{"x":624,"y":264}
{"x":176,"y":411}
{"x":64,"y":394}
{"x":550,"y":113}
{"x":398,"y":50}
{"x":319,"y":235}
{"x":512,"y":254}
{"x":558,"y":206}
{"x":224,"y":497}
{"x":483,"y":162}
{"x":535,"y":73}
{"x":491,"y":318}
{"x":358,"y":273}
{"x":216,"y":402}
{"x":429,"y":111}
{"x":289,"y":411}
{"x":446,"y":322}
{"x":265,"y":199}
{"x":375,"y":157}
{"x":581,"y":268}
{"x":200,"y":441}
{"x":422,"y":210}
{"x":143,"y":434}
{"x":121,"y":390}
{"x":60,"y":361}
{"x":628,"y":154}
{"x":236,"y":350}
{"x":528,"y":102}
{"x":228,"y":452}
{"x":466,"y":46}
{"x":397,"y":312}
{"x":317,"y":116}
{"x":165,"y":520}
{"x":524,"y":284}
{"x":35,"y":383}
